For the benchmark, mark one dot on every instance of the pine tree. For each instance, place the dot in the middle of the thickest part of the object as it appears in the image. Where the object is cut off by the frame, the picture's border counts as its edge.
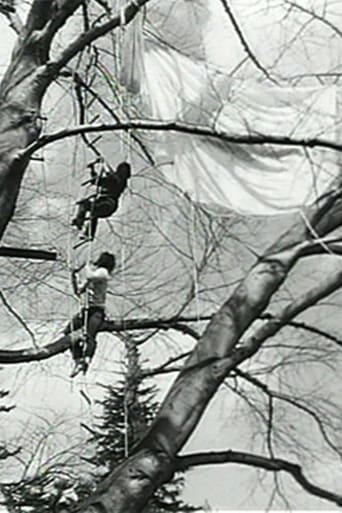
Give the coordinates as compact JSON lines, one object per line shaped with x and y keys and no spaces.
{"x":128,"y":408}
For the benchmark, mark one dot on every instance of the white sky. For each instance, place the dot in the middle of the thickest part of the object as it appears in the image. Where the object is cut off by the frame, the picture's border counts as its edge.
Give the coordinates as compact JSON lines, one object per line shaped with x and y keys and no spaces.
{"x":7,"y":41}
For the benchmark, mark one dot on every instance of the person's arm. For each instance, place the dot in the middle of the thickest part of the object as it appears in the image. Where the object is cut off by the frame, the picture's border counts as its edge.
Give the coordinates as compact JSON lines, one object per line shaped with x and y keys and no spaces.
{"x":74,"y":281}
{"x":93,"y":274}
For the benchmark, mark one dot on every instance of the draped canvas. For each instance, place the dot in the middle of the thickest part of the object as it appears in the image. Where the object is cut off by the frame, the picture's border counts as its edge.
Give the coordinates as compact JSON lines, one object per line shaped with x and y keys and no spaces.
{"x":259,"y":179}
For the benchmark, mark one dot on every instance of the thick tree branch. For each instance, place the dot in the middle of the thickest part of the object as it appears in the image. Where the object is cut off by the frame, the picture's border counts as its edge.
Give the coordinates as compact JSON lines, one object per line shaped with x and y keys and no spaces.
{"x":305,"y":327}
{"x":27,"y":73}
{"x":12,"y":356}
{"x":327,"y":286}
{"x":250,"y":346}
{"x":215,"y":355}
{"x":85,"y":39}
{"x":186,"y":128}
{"x":330,"y":284}
{"x":257,"y":461}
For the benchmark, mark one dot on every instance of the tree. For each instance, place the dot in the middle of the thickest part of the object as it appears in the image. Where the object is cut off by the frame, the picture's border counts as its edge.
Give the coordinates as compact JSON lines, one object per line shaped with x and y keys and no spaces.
{"x":226,"y":343}
{"x":128,"y":408}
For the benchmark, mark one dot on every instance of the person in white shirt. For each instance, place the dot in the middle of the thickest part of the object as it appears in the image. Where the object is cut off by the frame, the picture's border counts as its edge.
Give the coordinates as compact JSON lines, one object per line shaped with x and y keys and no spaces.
{"x":92,"y":313}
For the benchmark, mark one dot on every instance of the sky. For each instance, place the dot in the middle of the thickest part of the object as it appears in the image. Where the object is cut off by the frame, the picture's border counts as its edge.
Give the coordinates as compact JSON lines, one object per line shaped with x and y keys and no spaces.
{"x":41,"y":388}
{"x":7,"y":41}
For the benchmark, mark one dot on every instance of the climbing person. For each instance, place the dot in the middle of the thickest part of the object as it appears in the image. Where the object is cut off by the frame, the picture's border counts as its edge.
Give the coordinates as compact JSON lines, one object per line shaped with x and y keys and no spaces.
{"x":110,"y":185}
{"x":92,"y":313}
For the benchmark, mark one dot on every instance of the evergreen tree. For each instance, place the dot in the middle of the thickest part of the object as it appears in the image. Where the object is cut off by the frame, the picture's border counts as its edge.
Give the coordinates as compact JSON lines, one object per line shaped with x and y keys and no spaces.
{"x":128,"y":408}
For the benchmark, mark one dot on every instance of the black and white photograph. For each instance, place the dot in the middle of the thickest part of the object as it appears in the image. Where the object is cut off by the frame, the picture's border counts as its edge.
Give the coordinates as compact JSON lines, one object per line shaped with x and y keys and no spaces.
{"x":170,"y":256}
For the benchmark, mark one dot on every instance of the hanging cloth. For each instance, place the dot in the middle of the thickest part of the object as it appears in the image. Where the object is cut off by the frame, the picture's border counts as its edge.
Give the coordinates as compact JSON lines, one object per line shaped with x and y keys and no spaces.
{"x":249,"y":179}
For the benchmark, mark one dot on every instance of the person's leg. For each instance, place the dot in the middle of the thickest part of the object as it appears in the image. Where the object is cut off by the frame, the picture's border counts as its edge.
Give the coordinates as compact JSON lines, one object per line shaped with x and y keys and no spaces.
{"x":77,"y":345}
{"x":104,"y":206}
{"x":101,"y":207}
{"x":83,"y":207}
{"x":89,"y":229}
{"x":76,"y":323}
{"x":92,"y":227}
{"x":95,"y":320}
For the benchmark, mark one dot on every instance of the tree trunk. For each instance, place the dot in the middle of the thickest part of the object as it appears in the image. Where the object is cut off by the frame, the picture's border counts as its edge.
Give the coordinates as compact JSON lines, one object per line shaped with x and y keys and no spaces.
{"x":21,"y":92}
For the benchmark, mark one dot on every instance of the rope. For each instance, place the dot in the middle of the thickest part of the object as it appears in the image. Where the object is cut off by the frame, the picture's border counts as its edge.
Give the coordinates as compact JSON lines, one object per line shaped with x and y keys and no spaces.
{"x":125,"y":404}
{"x":70,"y":244}
{"x":193,"y":251}
{"x":89,"y":256}
{"x":83,"y":302}
{"x":119,"y":43}
{"x":126,"y":418}
{"x":315,"y":234}
{"x":125,"y":149}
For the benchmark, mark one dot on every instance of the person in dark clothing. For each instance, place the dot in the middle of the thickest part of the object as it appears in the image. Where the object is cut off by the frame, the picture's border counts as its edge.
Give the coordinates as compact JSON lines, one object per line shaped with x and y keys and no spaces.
{"x":92,"y":313}
{"x":110,"y":185}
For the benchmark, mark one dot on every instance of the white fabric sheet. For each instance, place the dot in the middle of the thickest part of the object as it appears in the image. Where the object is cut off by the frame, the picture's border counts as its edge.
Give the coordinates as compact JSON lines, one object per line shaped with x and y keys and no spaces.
{"x":259,"y":179}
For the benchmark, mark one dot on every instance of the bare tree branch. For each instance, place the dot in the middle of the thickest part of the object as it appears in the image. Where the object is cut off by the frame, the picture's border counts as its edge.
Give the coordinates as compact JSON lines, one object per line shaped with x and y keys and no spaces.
{"x":296,"y":403}
{"x":250,"y":346}
{"x":244,"y":42}
{"x":315,"y":15}
{"x":257,"y":461}
{"x":18,"y":317}
{"x":77,"y":78}
{"x":8,"y":10}
{"x":165,"y":367}
{"x":32,"y":354}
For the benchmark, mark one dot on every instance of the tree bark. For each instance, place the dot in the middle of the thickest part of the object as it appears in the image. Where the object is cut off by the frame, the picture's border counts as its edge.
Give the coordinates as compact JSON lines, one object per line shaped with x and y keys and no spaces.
{"x":21,"y":93}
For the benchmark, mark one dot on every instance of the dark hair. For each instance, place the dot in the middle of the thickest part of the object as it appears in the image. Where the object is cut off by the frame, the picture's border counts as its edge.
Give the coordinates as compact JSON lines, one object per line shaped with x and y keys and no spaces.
{"x":106,"y":260}
{"x":124,"y":169}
